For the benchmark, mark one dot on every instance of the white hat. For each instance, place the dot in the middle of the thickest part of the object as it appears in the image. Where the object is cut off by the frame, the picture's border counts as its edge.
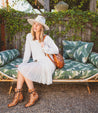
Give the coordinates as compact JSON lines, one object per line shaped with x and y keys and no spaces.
{"x":40,"y":19}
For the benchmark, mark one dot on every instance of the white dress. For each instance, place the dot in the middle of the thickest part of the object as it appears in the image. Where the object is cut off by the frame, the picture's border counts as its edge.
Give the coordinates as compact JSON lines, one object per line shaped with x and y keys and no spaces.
{"x":41,"y":70}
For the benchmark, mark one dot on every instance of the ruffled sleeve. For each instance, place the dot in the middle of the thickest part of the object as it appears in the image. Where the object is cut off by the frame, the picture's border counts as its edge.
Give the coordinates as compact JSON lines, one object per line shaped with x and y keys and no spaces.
{"x":49,"y":46}
{"x":27,"y":52}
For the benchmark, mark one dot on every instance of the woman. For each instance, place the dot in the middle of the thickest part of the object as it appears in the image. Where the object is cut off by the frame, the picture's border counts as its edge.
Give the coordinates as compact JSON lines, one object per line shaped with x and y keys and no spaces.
{"x":42,"y":68}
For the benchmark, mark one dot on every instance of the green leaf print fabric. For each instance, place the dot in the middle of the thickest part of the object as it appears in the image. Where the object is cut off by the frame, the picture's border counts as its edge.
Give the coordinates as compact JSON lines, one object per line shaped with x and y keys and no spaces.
{"x":93,"y":58}
{"x":77,"y":50}
{"x":8,"y":55}
{"x":71,"y":70}
{"x":10,"y":69}
{"x":75,"y":70}
{"x":83,"y":51}
{"x":69,"y":48}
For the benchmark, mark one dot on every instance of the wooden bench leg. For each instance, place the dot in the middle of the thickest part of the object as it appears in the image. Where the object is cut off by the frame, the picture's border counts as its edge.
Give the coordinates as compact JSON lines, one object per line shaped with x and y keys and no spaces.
{"x":88,"y":88}
{"x":11,"y":87}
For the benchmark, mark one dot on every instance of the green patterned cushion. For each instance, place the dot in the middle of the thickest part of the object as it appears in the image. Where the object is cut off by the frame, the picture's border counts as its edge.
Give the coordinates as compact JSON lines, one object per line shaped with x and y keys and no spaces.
{"x":93,"y":58}
{"x":10,"y":69}
{"x":15,"y":53}
{"x":71,"y":70}
{"x":83,"y":51}
{"x":8,"y":55}
{"x":75,"y":70}
{"x":69,"y":48}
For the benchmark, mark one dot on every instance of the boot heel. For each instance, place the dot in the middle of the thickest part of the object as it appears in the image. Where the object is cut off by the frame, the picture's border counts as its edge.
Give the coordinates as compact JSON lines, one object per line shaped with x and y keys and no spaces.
{"x":21,"y":101}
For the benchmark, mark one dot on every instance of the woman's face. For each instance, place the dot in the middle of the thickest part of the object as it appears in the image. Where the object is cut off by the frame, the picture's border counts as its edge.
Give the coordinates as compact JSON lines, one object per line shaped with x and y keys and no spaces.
{"x":37,"y":27}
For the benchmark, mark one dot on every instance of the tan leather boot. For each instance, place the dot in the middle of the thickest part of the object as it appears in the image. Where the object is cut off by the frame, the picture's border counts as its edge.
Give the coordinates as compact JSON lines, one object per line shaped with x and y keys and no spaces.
{"x":33,"y":98}
{"x":17,"y":98}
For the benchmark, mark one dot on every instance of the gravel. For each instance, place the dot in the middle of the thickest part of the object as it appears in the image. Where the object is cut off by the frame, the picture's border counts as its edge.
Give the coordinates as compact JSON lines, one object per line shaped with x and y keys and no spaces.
{"x":55,"y":98}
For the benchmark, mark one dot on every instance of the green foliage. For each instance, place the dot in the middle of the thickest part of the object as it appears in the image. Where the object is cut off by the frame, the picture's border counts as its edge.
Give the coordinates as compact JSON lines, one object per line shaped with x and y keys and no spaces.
{"x":81,"y":4}
{"x":75,"y":20}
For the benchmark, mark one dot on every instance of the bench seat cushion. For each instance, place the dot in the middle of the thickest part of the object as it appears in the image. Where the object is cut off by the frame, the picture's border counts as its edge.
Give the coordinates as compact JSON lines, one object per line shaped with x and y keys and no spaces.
{"x":75,"y":70}
{"x":71,"y":70}
{"x":10,"y":70}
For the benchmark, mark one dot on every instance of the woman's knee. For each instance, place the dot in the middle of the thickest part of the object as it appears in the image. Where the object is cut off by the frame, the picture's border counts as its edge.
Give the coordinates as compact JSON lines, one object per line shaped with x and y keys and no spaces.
{"x":19,"y":73}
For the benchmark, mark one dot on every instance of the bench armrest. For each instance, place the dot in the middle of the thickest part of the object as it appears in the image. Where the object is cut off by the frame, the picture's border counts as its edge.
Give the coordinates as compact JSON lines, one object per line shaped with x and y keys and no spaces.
{"x":8,"y":55}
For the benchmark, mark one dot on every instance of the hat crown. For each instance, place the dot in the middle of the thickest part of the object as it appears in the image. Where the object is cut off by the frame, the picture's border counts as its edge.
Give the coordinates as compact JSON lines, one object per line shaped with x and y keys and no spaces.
{"x":40,"y":19}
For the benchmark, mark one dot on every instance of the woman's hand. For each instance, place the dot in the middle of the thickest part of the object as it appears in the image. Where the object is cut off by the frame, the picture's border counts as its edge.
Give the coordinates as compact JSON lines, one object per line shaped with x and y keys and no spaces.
{"x":16,"y":65}
{"x":42,"y":44}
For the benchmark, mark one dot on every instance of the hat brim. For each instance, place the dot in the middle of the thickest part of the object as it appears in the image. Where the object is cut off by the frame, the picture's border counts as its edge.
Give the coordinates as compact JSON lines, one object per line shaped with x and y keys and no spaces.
{"x":31,"y":21}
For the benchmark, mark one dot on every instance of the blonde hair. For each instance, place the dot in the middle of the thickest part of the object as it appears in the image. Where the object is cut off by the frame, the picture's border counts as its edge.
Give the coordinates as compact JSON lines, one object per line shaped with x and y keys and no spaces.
{"x":34,"y":34}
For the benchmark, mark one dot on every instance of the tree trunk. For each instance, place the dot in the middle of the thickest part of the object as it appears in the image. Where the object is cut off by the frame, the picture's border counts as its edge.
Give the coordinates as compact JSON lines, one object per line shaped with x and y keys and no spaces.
{"x":93,"y":5}
{"x":45,"y":4}
{"x":2,"y":34}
